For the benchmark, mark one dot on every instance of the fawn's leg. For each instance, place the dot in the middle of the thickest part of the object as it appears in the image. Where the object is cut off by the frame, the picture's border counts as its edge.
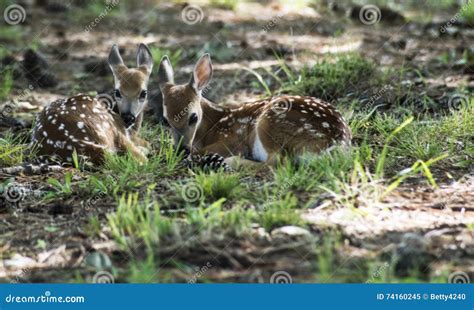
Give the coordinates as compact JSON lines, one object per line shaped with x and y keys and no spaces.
{"x":126,"y":144}
{"x":237,"y":162}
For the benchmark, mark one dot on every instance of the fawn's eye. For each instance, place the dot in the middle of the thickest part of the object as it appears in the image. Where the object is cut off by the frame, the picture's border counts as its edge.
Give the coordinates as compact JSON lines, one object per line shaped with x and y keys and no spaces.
{"x":143,"y":94}
{"x":118,"y":94}
{"x":193,"y":119}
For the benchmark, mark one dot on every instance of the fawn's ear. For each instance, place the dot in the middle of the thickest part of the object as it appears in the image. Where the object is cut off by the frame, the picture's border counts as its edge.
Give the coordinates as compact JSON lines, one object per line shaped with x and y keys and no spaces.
{"x":144,"y":59}
{"x":165,"y":72}
{"x":202,"y":73}
{"x":114,"y":57}
{"x":115,"y":60}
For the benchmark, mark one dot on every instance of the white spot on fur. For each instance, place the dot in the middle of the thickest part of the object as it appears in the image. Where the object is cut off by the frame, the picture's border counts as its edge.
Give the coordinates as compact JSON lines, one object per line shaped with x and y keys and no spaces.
{"x":326,"y":125}
{"x":80,"y":125}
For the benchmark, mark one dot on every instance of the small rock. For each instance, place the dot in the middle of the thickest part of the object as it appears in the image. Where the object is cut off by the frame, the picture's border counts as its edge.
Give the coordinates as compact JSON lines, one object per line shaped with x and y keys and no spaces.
{"x":19,"y":261}
{"x":290,"y":231}
{"x":98,"y":260}
{"x":60,"y":209}
{"x":412,"y":256}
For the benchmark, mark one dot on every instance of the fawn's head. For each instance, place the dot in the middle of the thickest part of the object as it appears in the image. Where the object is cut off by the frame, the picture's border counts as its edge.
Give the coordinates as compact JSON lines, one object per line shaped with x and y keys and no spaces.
{"x":131,"y":85}
{"x":182,"y":103}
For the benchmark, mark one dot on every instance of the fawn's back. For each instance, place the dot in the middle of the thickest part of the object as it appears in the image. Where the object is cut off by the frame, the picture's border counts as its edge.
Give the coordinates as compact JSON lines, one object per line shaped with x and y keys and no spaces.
{"x":80,"y":123}
{"x":289,"y":124}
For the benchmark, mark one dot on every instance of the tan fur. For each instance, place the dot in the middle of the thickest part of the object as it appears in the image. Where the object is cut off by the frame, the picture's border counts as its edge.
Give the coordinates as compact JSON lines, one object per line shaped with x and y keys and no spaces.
{"x":131,"y":81}
{"x":258,"y":131}
{"x":307,"y":126}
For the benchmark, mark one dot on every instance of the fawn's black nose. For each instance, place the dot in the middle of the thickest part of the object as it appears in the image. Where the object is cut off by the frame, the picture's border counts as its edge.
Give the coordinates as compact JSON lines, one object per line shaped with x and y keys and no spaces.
{"x":128,"y":119}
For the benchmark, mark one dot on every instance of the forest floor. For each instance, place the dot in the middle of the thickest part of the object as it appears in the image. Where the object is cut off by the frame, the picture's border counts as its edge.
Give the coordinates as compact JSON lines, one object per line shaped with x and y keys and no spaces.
{"x":397,"y":207}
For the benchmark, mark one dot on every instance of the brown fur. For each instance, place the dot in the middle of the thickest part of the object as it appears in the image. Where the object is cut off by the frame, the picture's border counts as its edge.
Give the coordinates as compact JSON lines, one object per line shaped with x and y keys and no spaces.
{"x":83,"y":124}
{"x":259,"y":131}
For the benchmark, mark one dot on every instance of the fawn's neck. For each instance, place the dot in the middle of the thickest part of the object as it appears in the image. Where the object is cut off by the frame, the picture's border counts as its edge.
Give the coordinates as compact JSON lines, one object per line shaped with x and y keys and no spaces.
{"x":211,"y":114}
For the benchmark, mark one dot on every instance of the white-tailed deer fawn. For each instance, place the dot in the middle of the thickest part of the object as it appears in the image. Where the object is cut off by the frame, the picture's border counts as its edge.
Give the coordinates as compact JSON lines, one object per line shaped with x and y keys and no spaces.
{"x":89,"y":126}
{"x":256,"y":131}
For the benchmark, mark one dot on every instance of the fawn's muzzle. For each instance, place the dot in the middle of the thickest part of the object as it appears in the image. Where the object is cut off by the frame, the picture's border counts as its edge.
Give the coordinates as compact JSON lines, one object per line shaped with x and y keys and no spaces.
{"x":128,"y":119}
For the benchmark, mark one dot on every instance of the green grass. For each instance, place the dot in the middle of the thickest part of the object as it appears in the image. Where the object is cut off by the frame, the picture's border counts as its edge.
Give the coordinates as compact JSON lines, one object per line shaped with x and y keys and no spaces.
{"x":219,"y":185}
{"x":6,"y":85}
{"x":174,"y":55}
{"x":333,"y":78}
{"x":12,"y":150}
{"x":467,"y":12}
{"x":224,"y":4}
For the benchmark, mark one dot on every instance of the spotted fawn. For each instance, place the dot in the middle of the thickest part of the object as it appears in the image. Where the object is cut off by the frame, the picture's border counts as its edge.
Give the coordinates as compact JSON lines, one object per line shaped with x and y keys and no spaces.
{"x":89,"y":126}
{"x":256,"y":131}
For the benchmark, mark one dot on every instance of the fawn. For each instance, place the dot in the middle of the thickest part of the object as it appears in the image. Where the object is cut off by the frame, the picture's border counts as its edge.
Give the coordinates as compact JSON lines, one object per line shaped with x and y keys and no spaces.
{"x":89,"y":126}
{"x":256,"y":131}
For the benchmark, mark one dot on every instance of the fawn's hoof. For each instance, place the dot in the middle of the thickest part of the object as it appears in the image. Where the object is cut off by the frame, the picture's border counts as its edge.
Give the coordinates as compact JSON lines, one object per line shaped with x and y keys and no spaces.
{"x":210,"y":162}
